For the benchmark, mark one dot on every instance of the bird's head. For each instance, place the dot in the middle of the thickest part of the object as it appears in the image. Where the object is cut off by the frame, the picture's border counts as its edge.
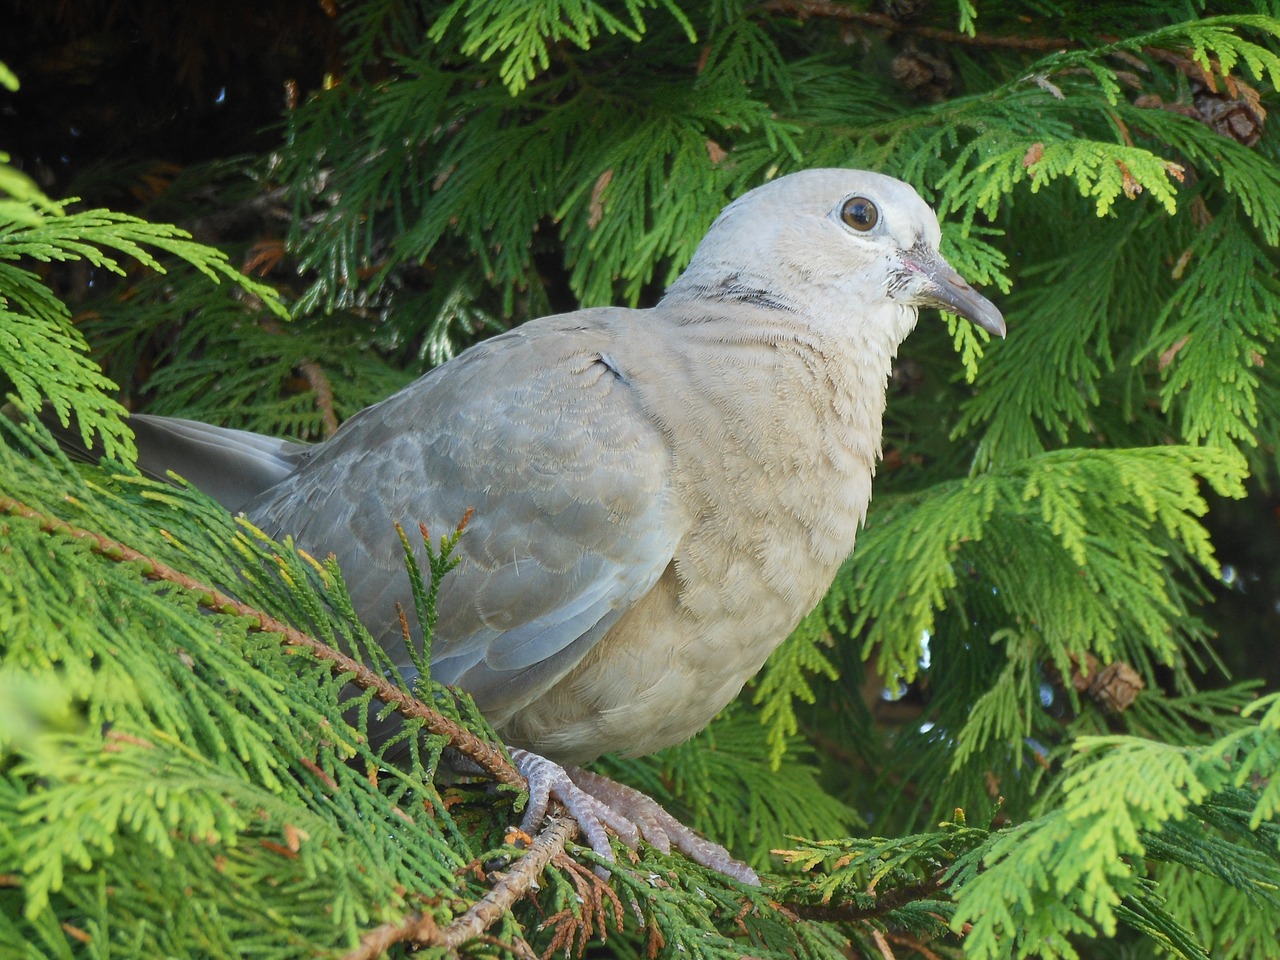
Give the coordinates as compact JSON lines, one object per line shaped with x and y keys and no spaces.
{"x":828,"y":230}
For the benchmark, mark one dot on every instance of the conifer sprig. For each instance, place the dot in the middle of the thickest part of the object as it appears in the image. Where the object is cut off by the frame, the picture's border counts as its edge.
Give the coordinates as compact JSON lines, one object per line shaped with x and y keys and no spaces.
{"x":1049,"y":512}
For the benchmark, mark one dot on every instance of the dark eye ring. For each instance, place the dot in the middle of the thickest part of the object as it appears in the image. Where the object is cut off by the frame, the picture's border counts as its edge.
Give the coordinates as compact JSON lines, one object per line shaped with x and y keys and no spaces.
{"x":860,"y":213}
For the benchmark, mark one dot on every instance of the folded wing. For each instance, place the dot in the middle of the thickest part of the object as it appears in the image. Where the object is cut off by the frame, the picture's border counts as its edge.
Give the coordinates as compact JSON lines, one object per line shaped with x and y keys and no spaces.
{"x":542,"y":436}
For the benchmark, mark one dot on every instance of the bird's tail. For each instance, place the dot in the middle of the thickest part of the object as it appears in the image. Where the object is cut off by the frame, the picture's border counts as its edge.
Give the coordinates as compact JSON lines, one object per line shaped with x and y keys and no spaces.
{"x":231,"y":466}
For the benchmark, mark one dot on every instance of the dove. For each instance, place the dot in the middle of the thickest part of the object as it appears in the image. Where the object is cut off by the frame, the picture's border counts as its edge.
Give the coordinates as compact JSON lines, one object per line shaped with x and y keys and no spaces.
{"x":659,"y":495}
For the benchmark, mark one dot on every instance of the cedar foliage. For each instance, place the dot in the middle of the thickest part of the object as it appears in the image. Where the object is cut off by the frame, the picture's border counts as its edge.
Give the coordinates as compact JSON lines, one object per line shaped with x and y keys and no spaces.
{"x":178,"y":779}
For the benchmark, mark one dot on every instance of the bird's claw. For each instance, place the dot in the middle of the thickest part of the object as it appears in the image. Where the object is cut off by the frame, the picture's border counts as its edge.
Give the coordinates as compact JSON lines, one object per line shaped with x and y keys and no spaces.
{"x":597,"y":803}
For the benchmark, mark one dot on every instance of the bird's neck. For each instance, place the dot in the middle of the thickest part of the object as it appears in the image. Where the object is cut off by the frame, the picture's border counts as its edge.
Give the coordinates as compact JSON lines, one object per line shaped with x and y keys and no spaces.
{"x":795,"y":394}
{"x":849,"y":322}
{"x":729,"y":286}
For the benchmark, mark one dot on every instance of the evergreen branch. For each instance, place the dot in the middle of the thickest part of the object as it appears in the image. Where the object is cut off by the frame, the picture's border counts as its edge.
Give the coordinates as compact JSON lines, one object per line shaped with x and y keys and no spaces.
{"x":787,"y":678}
{"x":269,"y":205}
{"x":887,"y":902}
{"x":324,"y":395}
{"x":101,"y":237}
{"x":432,"y":203}
{"x":525,"y":36}
{"x":46,"y":359}
{"x":423,"y":931}
{"x":485,"y":755}
{"x":321,"y":388}
{"x":262,"y":393}
{"x":1206,"y":38}
{"x":518,"y":882}
{"x":804,"y":9}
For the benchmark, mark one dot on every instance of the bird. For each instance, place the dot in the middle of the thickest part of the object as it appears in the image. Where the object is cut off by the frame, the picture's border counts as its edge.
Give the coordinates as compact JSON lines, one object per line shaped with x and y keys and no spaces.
{"x":658,"y":495}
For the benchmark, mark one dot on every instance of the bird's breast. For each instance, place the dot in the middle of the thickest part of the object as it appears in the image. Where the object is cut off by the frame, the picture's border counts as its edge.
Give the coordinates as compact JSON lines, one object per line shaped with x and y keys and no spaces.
{"x":773,"y":448}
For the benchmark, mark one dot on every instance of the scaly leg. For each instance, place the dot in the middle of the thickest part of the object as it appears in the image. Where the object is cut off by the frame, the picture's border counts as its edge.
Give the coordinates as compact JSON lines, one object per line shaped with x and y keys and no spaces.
{"x":597,"y":802}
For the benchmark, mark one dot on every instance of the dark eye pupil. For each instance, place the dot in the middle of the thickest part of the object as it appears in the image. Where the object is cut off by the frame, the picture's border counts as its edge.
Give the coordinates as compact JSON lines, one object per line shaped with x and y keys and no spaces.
{"x":860,"y":213}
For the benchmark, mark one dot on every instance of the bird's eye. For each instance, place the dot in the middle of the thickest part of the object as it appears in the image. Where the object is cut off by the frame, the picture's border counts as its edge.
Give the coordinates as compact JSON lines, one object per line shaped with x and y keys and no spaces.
{"x":860,"y":213}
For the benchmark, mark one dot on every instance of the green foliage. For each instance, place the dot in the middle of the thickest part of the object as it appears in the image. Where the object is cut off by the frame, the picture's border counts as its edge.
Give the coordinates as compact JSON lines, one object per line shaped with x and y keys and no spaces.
{"x":1123,"y":805}
{"x":1102,"y":527}
{"x":779,"y":793}
{"x":242,"y":790}
{"x":174,"y":781}
{"x":262,"y":797}
{"x":276,"y":370}
{"x":787,"y":678}
{"x":525,"y":35}
{"x":42,"y":355}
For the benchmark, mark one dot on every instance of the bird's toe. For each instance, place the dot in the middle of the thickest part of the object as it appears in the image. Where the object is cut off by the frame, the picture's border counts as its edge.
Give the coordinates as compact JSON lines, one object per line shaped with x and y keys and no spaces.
{"x":599,"y":804}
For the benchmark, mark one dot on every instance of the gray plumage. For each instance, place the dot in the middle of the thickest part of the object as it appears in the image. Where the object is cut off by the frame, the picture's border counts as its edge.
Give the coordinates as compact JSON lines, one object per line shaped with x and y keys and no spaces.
{"x":660,"y":495}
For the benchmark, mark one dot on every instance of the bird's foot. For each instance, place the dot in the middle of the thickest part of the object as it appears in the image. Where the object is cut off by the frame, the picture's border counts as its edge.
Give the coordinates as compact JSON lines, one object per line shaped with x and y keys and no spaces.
{"x":597,"y":803}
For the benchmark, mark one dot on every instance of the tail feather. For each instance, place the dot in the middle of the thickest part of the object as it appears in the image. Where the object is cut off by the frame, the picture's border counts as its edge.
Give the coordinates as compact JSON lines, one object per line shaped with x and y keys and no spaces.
{"x":231,"y":466}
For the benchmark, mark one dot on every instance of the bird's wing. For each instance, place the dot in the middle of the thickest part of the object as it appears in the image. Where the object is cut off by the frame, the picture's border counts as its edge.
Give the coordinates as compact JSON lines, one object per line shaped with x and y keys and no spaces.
{"x":540,"y":433}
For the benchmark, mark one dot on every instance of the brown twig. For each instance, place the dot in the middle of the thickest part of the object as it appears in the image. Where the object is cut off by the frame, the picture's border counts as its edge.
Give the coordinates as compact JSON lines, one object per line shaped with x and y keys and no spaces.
{"x":885,"y":902}
{"x":579,"y":924}
{"x":912,"y":944}
{"x":422,"y":929}
{"x":260,"y":208}
{"x":324,"y":395}
{"x":316,"y":379}
{"x":488,"y":757}
{"x":518,"y":881}
{"x":836,"y":11}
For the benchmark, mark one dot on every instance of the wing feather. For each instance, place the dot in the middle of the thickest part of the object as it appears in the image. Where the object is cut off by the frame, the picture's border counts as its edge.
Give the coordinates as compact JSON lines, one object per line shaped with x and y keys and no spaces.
{"x":569,"y":479}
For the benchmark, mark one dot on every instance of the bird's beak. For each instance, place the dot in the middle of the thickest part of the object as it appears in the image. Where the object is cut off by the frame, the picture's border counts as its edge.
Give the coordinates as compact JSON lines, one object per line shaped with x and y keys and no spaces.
{"x":947,"y":290}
